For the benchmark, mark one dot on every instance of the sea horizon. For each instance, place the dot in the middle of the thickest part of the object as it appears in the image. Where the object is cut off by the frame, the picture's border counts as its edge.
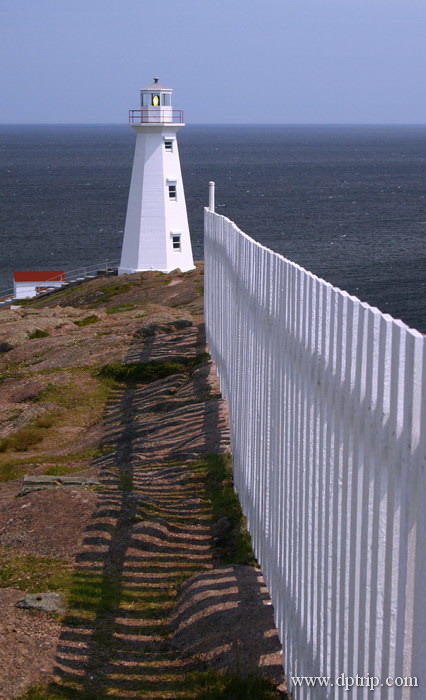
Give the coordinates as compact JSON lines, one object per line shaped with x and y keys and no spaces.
{"x":220,"y":124}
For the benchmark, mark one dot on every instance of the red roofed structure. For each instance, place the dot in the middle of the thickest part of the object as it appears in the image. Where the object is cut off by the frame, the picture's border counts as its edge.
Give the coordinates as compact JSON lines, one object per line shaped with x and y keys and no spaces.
{"x":38,"y":275}
{"x":29,"y":283}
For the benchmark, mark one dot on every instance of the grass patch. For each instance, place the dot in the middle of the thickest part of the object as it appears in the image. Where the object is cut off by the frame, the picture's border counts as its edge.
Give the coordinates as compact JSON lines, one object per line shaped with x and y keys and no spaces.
{"x":22,"y":302}
{"x":120,"y":308}
{"x":13,"y":415}
{"x":77,"y":394}
{"x":87,"y":453}
{"x":126,"y":481}
{"x":109,"y":291}
{"x":199,"y":359}
{"x":54,"y":393}
{"x":211,"y":685}
{"x":12,"y":370}
{"x":44,"y":421}
{"x":140,"y":371}
{"x":9,"y":472}
{"x":116,"y":288}
{"x":15,"y":467}
{"x":235,"y":544}
{"x":41,"y":301}
{"x":33,"y":573}
{"x":91,"y":593}
{"x":61,"y":470}
{"x":28,"y":436}
{"x":149,"y":371}
{"x":22,"y":439}
{"x":43,"y":691}
{"x":38,"y":333}
{"x":87,"y":321}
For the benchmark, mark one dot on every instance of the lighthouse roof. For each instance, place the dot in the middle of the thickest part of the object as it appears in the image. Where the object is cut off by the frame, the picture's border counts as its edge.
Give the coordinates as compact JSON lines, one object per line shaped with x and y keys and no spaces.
{"x":156,"y":85}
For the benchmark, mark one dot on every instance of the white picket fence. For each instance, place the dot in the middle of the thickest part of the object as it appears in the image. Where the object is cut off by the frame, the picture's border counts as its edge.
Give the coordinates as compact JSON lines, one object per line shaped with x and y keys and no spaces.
{"x":327,"y":404}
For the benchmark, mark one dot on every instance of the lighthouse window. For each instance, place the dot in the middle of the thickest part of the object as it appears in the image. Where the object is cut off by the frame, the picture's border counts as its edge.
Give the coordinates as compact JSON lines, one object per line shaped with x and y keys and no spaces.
{"x":165,"y":100}
{"x":176,"y":241}
{"x":172,"y":191}
{"x":155,"y":100}
{"x":168,"y":145}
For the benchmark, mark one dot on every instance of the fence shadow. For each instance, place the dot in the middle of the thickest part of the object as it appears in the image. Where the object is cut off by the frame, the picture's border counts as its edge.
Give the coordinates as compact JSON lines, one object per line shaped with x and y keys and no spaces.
{"x":150,"y":532}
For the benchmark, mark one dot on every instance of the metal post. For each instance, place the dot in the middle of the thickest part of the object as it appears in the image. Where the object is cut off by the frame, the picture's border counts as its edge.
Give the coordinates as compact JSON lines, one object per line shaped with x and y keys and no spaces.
{"x":211,"y":196}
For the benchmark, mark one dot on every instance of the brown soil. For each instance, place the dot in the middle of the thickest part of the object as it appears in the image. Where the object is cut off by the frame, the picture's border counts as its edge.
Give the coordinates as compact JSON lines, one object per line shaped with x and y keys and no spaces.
{"x":28,"y":645}
{"x":50,"y":523}
{"x":148,"y":526}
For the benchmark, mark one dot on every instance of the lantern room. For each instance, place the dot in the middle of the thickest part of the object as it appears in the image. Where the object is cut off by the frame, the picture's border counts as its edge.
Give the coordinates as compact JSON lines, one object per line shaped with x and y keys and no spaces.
{"x":156,"y":95}
{"x":156,"y":106}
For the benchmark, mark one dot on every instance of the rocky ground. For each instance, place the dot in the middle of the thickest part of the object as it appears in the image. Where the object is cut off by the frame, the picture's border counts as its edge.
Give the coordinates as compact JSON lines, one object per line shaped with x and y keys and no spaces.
{"x":109,"y":380}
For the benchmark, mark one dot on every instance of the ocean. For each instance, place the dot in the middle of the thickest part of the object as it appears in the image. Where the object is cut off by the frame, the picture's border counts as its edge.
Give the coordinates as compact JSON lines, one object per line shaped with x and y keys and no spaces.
{"x":346,"y":202}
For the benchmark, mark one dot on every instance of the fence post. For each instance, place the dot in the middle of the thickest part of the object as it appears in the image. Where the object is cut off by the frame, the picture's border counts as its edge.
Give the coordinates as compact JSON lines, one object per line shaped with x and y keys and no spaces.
{"x":211,"y":196}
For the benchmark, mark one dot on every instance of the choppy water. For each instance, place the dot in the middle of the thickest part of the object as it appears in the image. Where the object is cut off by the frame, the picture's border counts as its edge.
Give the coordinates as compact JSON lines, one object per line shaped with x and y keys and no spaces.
{"x":347,"y":203}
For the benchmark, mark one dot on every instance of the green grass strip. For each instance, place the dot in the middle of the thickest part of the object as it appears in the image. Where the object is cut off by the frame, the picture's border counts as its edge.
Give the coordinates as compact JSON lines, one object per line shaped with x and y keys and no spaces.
{"x":149,"y":371}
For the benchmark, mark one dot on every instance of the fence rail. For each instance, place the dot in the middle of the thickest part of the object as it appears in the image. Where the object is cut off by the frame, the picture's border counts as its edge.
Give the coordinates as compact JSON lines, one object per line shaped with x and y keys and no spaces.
{"x":327,"y":413}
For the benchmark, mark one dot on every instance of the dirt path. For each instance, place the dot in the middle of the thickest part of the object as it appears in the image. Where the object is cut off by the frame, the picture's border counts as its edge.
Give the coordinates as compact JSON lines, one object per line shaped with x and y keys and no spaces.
{"x":150,"y":531}
{"x":140,"y":545}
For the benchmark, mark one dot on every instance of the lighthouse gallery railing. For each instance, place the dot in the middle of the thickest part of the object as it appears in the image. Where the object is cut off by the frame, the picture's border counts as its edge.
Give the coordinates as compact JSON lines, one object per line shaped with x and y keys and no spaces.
{"x":327,"y":415}
{"x":158,"y":115}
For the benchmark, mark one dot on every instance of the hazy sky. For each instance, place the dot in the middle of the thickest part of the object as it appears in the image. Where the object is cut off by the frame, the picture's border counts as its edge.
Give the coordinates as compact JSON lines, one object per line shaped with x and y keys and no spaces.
{"x":280,"y":61}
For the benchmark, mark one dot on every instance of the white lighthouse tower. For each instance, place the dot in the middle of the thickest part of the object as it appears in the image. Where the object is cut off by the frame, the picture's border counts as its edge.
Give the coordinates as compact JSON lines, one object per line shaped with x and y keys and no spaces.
{"x":156,"y":234}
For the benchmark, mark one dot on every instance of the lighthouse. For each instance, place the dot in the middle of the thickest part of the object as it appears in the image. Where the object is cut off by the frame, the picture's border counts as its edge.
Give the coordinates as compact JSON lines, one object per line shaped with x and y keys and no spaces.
{"x":156,"y":233}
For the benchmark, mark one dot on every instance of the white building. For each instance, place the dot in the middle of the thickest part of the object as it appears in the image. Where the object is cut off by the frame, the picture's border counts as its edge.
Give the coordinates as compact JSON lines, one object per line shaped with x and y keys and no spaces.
{"x":156,"y":234}
{"x":29,"y":283}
